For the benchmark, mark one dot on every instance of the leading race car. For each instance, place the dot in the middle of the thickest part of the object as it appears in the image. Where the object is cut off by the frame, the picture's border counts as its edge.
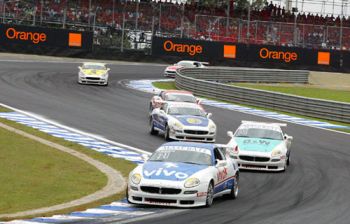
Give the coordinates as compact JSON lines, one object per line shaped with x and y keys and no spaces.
{"x":173,"y":96}
{"x":170,"y":71}
{"x":93,"y":73}
{"x":260,"y":146}
{"x":183,"y":121}
{"x":184,"y":174}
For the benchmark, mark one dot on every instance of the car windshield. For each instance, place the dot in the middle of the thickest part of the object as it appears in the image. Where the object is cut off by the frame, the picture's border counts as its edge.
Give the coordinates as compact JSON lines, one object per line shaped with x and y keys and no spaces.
{"x":96,"y":67}
{"x":178,"y":154}
{"x":259,"y":133}
{"x":180,"y":98}
{"x":186,"y":111}
{"x":186,"y":64}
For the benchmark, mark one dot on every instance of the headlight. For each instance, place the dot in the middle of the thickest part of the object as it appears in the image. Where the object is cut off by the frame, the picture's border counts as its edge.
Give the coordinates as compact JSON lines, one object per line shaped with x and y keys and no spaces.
{"x":192,"y":182}
{"x":136,"y":178}
{"x":81,"y":74}
{"x":212,"y":127}
{"x":276,"y":152}
{"x":104,"y":75}
{"x":177,"y":125}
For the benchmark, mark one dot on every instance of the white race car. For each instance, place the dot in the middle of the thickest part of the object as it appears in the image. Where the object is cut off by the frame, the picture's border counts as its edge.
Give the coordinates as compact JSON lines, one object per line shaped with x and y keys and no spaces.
{"x":260,"y":146}
{"x":170,"y":71}
{"x":172,"y":96}
{"x":184,"y":174}
{"x":183,"y":121}
{"x":93,"y":73}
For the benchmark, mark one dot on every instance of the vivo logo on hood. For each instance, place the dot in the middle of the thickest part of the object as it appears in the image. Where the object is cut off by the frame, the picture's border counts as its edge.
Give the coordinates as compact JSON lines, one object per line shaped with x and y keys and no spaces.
{"x":169,"y":171}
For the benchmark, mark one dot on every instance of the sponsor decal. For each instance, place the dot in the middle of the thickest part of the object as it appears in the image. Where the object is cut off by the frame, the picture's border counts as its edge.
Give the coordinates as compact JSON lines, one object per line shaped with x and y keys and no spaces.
{"x":164,"y":172}
{"x":193,"y":120}
{"x":190,"y":49}
{"x":185,"y":148}
{"x":256,"y":141}
{"x":222,"y":174}
{"x":229,"y":51}
{"x":34,"y":37}
{"x":323,"y":58}
{"x":286,"y":56}
{"x":74,"y":39}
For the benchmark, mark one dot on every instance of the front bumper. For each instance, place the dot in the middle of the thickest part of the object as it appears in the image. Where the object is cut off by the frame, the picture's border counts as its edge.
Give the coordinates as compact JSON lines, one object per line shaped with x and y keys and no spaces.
{"x":271,"y":165}
{"x":188,"y":197}
{"x":93,"y":80}
{"x":193,"y":135}
{"x":170,"y":74}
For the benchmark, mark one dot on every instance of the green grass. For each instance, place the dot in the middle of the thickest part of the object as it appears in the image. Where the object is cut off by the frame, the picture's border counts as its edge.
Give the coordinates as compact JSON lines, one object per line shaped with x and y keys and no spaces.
{"x":165,"y":85}
{"x":119,"y":164}
{"x":35,"y":175}
{"x":171,"y":85}
{"x":305,"y":91}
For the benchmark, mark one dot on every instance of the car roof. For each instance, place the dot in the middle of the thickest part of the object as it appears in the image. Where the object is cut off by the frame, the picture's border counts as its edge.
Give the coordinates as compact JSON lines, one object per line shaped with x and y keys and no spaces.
{"x":94,"y":63}
{"x":188,"y":61}
{"x":209,"y":146}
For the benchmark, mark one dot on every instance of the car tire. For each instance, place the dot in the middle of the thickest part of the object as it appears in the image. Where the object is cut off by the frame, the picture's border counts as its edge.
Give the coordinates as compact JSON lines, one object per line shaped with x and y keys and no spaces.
{"x":288,"y":160}
{"x":235,"y":188}
{"x":152,"y":131}
{"x":210,"y":195}
{"x":166,"y":133}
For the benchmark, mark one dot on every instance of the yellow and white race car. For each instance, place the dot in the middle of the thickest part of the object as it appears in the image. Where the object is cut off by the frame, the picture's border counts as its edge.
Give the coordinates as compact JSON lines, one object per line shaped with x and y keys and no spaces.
{"x":93,"y":73}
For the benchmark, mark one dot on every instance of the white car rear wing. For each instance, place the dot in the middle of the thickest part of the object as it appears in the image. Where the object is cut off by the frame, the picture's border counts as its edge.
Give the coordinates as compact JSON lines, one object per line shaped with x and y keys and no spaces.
{"x":258,"y":122}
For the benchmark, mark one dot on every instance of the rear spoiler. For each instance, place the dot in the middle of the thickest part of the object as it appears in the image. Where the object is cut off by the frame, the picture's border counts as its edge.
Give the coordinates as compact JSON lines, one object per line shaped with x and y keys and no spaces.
{"x":258,"y":122}
{"x":205,"y":63}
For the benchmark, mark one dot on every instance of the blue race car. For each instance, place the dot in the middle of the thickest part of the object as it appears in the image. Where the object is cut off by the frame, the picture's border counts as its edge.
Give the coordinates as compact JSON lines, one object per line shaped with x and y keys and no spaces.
{"x":183,"y":121}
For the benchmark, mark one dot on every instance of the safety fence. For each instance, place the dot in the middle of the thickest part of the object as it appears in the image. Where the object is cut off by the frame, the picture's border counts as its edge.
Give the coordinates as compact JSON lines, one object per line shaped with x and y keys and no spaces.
{"x":323,"y":109}
{"x":225,"y":74}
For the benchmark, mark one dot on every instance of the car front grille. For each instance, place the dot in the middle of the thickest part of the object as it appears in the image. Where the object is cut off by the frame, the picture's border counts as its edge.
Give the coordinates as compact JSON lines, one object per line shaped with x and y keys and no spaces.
{"x":160,"y":190}
{"x":254,"y":158}
{"x":194,"y":132}
{"x":92,"y":78}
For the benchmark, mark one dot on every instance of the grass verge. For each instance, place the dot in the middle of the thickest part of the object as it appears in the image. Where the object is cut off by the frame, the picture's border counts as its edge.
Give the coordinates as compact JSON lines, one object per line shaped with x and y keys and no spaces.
{"x":305,"y":91}
{"x":171,"y":85}
{"x":119,"y":164}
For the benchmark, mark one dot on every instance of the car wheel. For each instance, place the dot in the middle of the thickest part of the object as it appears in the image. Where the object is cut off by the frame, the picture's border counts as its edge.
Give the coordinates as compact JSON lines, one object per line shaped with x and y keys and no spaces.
{"x":152,"y":131}
{"x":166,"y":133}
{"x":288,"y":160}
{"x":235,"y":188}
{"x":210,"y":195}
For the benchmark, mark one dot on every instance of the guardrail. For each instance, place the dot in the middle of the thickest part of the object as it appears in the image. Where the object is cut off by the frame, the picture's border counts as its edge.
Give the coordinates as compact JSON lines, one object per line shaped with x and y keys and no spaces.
{"x":193,"y":81}
{"x":222,"y":74}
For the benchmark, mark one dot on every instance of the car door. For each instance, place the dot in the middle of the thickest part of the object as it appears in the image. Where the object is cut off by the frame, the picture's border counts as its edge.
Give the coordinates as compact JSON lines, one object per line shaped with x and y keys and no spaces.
{"x":223,"y":172}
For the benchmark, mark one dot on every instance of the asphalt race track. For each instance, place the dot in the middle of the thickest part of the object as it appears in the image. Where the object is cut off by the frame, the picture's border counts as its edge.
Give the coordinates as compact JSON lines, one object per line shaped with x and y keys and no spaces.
{"x":314,"y":190}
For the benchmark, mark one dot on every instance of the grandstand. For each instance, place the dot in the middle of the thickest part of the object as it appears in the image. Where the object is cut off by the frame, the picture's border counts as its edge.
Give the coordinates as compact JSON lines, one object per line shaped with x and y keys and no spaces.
{"x":284,"y":23}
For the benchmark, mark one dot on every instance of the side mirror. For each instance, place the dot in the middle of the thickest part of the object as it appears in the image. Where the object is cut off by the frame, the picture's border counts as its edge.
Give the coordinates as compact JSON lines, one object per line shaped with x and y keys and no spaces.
{"x":287,"y":137}
{"x":80,"y":68}
{"x":230,"y":134}
{"x":108,"y":69}
{"x":144,"y":157}
{"x":209,"y":115}
{"x":220,"y":163}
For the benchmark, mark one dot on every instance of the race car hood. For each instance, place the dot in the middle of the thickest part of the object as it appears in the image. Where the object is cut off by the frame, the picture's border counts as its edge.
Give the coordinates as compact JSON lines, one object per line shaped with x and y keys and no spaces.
{"x":93,"y":72}
{"x":170,"y":171}
{"x":256,"y":144}
{"x":192,"y":120}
